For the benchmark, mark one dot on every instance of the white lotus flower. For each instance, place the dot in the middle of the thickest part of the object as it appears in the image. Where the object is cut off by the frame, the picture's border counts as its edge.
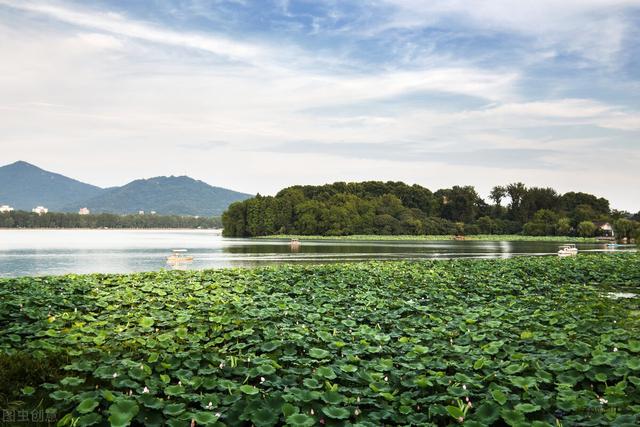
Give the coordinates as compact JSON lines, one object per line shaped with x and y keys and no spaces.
{"x":262,"y":379}
{"x":145,"y":390}
{"x":115,"y":375}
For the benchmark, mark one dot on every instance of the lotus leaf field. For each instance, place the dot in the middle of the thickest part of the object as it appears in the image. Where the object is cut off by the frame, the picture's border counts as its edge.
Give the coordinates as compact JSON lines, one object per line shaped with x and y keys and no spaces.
{"x":536,"y":341}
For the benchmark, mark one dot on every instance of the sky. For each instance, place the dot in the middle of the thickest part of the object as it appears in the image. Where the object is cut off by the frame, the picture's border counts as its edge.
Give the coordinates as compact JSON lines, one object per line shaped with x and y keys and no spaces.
{"x":259,"y":95}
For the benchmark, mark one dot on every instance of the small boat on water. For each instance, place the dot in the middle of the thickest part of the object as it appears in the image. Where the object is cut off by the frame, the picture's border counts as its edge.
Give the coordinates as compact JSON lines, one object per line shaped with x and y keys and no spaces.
{"x":568,"y":250}
{"x":179,"y":256}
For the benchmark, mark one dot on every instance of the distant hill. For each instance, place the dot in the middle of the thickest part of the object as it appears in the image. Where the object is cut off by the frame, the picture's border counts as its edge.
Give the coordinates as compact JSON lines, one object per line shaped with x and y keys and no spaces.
{"x":173,"y":195}
{"x":25,"y":186}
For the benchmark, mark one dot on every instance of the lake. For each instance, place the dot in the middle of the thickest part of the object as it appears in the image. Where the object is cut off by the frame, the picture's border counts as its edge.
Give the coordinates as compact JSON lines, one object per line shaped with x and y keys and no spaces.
{"x":45,"y":252}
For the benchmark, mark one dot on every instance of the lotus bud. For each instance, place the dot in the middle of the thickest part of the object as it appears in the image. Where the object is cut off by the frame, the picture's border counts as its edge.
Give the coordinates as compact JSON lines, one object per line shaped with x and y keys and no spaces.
{"x":464,"y":386}
{"x":615,"y":349}
{"x":311,"y":412}
{"x":218,"y":414}
{"x":262,"y":379}
{"x":145,"y":390}
{"x":115,"y":375}
{"x":179,"y":382}
{"x":193,"y":422}
{"x":460,"y":419}
{"x":221,"y":365}
{"x":386,"y":378}
{"x":357,"y":412}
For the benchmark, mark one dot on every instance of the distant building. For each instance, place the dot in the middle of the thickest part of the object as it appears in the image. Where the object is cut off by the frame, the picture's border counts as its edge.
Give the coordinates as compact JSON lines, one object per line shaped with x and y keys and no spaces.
{"x":84,"y":211}
{"x":140,"y":212}
{"x":605,"y":229}
{"x":40,"y":210}
{"x":5,"y":209}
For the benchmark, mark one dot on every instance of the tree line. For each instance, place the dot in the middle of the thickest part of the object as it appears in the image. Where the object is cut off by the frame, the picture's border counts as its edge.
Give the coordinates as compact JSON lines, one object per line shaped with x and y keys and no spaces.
{"x":22,"y":219}
{"x":395,"y":208}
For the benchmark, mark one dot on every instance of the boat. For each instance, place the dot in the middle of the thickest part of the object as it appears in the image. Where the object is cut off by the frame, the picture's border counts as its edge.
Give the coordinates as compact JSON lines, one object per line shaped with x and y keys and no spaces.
{"x":178,"y":256}
{"x":568,"y":250}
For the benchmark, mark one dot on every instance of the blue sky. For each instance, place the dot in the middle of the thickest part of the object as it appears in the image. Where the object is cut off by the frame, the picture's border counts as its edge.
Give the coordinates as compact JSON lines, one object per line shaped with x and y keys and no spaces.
{"x":258,"y":95}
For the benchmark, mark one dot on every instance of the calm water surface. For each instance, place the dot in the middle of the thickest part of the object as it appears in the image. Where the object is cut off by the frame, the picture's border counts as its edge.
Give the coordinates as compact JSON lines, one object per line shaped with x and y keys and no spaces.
{"x":43,"y":252}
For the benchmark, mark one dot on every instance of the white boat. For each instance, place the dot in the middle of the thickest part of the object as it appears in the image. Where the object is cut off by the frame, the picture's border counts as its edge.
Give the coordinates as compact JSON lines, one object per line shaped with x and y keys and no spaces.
{"x":568,"y":250}
{"x":178,"y":256}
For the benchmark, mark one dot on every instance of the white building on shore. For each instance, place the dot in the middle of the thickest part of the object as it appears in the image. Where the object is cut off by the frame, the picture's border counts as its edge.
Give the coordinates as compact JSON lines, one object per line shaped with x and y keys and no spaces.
{"x":40,"y":210}
{"x":84,"y":211}
{"x":5,"y":209}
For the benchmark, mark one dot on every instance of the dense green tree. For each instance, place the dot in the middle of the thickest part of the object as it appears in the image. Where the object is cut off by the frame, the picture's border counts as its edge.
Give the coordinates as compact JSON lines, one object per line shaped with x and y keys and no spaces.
{"x":376,"y":207}
{"x":624,"y":228}
{"x":563,"y":226}
{"x":586,"y":229}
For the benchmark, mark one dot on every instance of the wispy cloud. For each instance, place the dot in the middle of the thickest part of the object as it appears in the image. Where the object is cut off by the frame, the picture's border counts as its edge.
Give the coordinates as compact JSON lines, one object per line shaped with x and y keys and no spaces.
{"x":260,"y":96}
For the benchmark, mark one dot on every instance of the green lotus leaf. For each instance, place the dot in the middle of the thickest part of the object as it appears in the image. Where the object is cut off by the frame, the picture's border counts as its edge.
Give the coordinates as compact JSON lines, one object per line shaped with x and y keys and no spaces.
{"x":173,"y":409}
{"x":523,"y":382}
{"x":527,"y":407}
{"x":311,"y":383}
{"x":336,"y":412}
{"x":634,"y":345}
{"x":150,"y":401}
{"x":249,"y":389}
{"x":61,"y":395}
{"x":122,"y":412}
{"x":332,"y":397}
{"x":28,"y":390}
{"x":89,"y":420}
{"x":634,"y":363}
{"x":318,"y":353}
{"x":72,"y":381}
{"x":289,"y":409}
{"x":487,"y":412}
{"x":348,"y":368}
{"x":499,"y":396}
{"x":513,"y":418}
{"x":87,"y":405}
{"x":326,"y":372}
{"x":205,"y":418}
{"x":264,"y":417}
{"x":146,"y":322}
{"x":301,"y":420}
{"x":455,"y":412}
{"x":266,"y":369}
{"x":174,"y":390}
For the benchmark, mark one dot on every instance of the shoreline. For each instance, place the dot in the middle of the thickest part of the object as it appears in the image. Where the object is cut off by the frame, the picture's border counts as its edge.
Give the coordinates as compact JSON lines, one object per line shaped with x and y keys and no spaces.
{"x":109,"y":229}
{"x":477,"y":238}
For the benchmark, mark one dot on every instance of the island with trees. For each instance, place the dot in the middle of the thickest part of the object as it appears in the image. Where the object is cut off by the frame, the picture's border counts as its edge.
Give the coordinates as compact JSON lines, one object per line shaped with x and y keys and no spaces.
{"x":395,"y":208}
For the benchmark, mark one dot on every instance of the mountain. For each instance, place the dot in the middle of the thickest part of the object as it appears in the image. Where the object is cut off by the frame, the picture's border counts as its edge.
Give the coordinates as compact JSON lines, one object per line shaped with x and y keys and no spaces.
{"x":25,"y":186}
{"x":173,"y":195}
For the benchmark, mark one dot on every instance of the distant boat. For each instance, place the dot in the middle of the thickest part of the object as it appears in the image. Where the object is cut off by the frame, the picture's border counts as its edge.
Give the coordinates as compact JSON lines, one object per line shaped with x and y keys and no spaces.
{"x":568,"y":250}
{"x":178,"y":256}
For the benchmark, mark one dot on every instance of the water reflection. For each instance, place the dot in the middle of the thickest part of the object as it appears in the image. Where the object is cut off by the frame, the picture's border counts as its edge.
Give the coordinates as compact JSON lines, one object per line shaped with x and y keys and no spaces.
{"x":39,"y":252}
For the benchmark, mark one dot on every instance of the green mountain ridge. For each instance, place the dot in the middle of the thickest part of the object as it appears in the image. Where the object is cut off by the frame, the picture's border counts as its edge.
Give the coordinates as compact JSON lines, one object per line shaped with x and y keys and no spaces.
{"x":24,"y":186}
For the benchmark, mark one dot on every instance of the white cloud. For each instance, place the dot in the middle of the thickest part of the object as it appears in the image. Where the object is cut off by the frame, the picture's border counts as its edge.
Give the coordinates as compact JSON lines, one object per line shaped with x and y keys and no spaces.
{"x":595,"y":29}
{"x":113,"y":99}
